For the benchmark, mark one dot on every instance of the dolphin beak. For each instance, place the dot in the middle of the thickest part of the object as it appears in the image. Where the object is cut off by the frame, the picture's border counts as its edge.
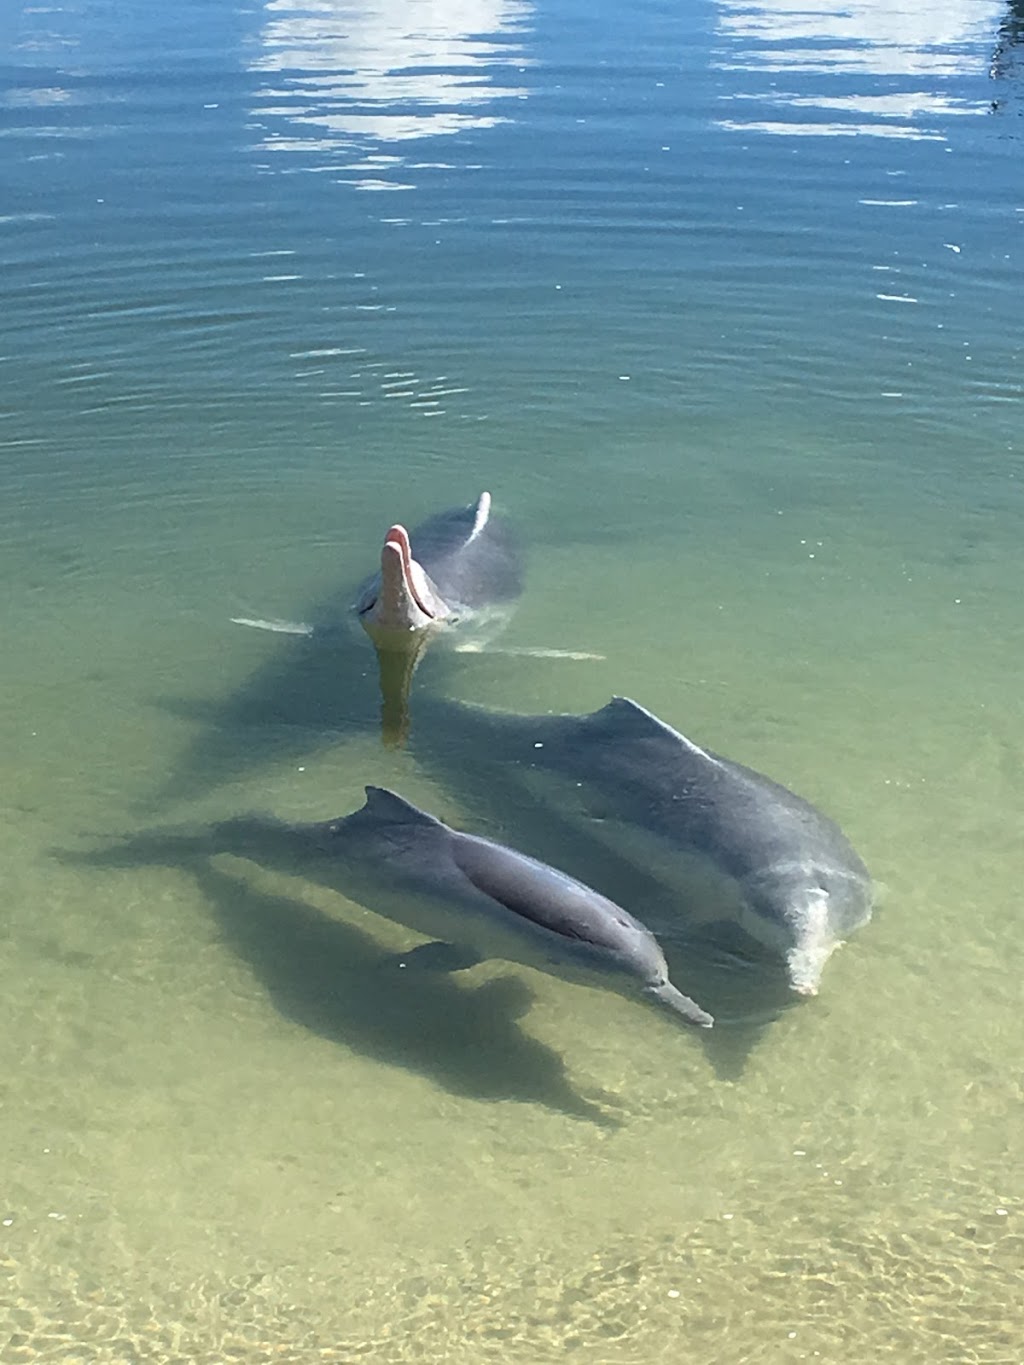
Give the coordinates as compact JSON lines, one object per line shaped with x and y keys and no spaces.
{"x":399,"y":584}
{"x":400,"y":620}
{"x":406,"y":599}
{"x":682,"y":1004}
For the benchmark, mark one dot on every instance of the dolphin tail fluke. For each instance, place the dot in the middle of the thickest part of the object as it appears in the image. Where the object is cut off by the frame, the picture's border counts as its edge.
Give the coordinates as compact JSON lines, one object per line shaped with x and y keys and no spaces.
{"x":682,"y":1004}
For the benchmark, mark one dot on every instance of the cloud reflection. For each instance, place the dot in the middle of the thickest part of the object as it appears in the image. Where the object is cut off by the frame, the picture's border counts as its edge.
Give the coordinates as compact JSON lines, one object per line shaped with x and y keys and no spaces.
{"x":875,"y":45}
{"x":349,"y":76}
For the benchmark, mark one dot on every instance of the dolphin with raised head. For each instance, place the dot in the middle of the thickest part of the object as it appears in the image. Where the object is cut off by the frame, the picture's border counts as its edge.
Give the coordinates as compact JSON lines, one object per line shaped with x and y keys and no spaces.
{"x":689,"y":818}
{"x":459,"y":569}
{"x":455,"y":568}
{"x":455,"y":577}
{"x":481,"y":897}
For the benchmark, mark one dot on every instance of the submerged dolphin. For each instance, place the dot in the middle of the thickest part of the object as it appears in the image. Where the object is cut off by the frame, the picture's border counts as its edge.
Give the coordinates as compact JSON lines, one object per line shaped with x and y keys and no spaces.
{"x":791,"y":879}
{"x":483,"y":897}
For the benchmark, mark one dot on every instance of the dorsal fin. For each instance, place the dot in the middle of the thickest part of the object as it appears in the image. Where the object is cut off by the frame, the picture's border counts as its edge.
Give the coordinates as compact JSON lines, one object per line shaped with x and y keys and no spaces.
{"x":627,"y":718}
{"x":388,"y":806}
{"x":481,"y":513}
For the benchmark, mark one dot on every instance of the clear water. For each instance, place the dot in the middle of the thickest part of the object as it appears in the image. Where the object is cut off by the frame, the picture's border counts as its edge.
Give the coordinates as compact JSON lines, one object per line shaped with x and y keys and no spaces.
{"x":722,"y":302}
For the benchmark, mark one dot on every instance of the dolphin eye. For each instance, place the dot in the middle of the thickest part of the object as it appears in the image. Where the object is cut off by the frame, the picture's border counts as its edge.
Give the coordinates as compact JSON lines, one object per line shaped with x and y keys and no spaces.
{"x":369,"y":607}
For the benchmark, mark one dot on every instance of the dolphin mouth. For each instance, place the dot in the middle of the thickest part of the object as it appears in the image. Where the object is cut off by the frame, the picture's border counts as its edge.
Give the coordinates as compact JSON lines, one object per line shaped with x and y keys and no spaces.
{"x":397,"y":540}
{"x":403,"y":599}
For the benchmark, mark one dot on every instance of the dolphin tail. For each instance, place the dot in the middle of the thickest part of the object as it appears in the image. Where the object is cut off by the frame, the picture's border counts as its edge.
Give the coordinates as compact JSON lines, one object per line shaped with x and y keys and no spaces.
{"x":682,"y":1004}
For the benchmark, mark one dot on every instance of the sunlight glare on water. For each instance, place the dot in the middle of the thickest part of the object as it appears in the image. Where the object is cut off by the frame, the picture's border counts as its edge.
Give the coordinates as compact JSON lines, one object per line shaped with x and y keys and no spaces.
{"x":722,"y":303}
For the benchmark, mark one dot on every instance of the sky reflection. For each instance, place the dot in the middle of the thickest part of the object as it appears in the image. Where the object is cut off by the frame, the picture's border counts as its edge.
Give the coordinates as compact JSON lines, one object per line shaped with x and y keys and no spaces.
{"x":891,"y":68}
{"x":349,"y":77}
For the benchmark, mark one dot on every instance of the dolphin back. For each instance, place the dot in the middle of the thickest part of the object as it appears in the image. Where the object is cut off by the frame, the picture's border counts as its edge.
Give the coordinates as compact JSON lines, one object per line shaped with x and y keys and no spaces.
{"x":547,"y":897}
{"x":743,"y":818}
{"x":459,"y":888}
{"x":472,"y":556}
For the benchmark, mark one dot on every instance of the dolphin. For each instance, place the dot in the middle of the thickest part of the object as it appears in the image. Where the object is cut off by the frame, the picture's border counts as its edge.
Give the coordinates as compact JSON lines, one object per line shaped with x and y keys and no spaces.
{"x":456,"y":577}
{"x":459,"y":570}
{"x":702,"y":826}
{"x":466,"y":565}
{"x":484,"y":899}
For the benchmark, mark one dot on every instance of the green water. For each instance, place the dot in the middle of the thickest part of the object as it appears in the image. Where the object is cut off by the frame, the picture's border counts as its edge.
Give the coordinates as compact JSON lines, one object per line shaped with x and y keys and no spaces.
{"x":228,"y":1128}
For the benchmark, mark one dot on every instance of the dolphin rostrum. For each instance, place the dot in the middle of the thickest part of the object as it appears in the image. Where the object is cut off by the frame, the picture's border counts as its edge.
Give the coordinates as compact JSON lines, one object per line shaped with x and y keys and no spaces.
{"x":783,"y":870}
{"x":491,"y":900}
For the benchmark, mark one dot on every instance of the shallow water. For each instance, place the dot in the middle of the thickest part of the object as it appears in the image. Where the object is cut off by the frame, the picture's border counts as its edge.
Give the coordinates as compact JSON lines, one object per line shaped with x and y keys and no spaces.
{"x":722,"y":303}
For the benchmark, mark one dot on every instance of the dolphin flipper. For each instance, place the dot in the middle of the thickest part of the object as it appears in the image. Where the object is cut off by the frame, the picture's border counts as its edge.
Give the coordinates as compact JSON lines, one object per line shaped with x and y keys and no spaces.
{"x":277,"y":627}
{"x":527,"y":651}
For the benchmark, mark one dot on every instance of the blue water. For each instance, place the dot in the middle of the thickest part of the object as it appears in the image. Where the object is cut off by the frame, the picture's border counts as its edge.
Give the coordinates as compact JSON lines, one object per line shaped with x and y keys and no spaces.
{"x":722,"y":303}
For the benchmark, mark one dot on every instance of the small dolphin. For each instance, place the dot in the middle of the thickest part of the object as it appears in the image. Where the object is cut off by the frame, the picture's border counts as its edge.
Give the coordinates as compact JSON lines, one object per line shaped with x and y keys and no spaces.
{"x":497,"y":903}
{"x":791,"y":879}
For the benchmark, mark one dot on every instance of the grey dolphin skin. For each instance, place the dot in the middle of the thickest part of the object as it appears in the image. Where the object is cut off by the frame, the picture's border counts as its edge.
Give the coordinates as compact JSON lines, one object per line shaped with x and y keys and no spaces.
{"x":792,"y":879}
{"x":489,"y":899}
{"x":459,"y":569}
{"x":453,"y":566}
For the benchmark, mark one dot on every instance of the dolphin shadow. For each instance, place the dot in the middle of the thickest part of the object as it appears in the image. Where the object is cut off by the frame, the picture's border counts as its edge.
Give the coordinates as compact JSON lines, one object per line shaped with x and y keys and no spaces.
{"x":745,"y":990}
{"x":338,"y":981}
{"x":313,"y":692}
{"x":309,"y":694}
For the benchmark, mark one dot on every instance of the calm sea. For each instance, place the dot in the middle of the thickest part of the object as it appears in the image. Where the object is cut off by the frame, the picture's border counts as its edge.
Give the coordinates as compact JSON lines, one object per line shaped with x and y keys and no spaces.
{"x":722,"y":302}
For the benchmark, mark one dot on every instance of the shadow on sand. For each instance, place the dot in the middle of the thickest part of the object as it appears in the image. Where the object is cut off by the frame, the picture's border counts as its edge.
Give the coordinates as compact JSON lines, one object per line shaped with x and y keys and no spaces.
{"x":336,"y":980}
{"x":312,"y":692}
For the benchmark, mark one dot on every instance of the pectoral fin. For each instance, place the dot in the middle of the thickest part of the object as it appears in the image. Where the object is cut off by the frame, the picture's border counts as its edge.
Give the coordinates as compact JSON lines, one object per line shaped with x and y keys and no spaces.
{"x":524,"y":651}
{"x":278,"y":627}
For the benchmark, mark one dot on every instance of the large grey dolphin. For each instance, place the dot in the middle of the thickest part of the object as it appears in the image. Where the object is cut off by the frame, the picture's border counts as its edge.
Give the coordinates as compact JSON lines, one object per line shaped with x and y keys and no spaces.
{"x":483,"y":898}
{"x":779,"y":868}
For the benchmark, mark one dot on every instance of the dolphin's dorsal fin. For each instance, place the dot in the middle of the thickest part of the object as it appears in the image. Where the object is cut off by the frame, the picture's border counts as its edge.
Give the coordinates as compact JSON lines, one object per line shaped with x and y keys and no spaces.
{"x":481,"y":513}
{"x":388,"y":806}
{"x":627,"y":718}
